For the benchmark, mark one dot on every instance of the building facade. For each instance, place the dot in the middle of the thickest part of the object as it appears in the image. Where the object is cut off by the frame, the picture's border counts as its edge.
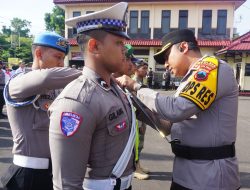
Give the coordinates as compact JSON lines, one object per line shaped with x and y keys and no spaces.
{"x":148,"y":21}
{"x":237,"y":55}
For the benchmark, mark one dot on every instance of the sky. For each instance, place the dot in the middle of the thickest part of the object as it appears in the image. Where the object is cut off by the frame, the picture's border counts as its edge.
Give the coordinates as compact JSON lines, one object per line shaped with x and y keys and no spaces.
{"x":30,"y":10}
{"x":34,"y":11}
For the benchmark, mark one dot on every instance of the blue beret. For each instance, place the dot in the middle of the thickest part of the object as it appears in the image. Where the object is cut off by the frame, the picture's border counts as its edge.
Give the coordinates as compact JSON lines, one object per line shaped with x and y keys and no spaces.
{"x":53,"y":40}
{"x":112,"y":20}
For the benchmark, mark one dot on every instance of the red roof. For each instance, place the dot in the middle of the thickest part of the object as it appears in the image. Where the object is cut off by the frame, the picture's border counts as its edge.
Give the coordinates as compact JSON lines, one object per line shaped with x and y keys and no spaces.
{"x":241,"y":43}
{"x":157,"y":43}
{"x":237,"y":3}
{"x":131,"y":1}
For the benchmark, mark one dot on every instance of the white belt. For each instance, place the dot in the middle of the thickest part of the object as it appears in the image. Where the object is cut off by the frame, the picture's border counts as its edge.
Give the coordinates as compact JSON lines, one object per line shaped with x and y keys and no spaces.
{"x":106,"y":184}
{"x":31,"y":162}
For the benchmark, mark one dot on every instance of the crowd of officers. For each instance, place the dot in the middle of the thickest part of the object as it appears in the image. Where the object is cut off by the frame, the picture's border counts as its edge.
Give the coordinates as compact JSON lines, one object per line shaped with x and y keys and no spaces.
{"x":79,"y":130}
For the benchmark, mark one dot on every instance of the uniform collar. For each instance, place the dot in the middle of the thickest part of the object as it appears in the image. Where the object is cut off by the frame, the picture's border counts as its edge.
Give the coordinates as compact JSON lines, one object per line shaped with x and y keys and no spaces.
{"x":92,"y":75}
{"x":194,"y":67}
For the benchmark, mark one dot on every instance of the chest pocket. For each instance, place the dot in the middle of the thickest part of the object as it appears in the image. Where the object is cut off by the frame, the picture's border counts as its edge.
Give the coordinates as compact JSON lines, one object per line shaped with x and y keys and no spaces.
{"x":117,"y":121}
{"x":41,"y":120}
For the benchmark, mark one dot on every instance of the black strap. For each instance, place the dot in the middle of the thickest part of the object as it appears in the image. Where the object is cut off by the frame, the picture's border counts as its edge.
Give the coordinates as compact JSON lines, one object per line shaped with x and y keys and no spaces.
{"x":118,"y":184}
{"x":203,"y":153}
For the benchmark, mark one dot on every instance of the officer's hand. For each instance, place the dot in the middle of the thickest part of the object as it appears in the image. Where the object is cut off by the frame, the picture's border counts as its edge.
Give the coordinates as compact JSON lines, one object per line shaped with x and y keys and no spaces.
{"x":127,"y":82}
{"x":165,"y":126}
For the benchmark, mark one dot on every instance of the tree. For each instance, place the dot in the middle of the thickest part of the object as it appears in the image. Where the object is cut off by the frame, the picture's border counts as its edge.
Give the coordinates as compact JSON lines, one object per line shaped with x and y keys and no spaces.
{"x":15,"y":41}
{"x":4,"y":47}
{"x":20,"y":27}
{"x":6,"y":31}
{"x":55,"y":21}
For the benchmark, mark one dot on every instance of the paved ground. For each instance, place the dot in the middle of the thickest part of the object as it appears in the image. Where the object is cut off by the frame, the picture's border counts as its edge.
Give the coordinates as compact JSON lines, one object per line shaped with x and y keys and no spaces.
{"x":157,"y":155}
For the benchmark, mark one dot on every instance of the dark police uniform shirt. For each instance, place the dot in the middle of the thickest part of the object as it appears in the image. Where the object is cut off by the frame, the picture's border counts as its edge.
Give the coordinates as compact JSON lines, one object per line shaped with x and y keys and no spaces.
{"x":30,"y":124}
{"x":89,"y":128}
{"x":215,"y":126}
{"x":2,"y":79}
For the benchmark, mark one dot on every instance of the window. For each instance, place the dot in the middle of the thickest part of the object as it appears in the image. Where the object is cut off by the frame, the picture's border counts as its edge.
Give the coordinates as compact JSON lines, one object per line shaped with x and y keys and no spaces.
{"x":207,"y":21}
{"x":133,"y":22}
{"x":144,"y":22}
{"x":183,"y":19}
{"x":165,"y":21}
{"x":222,"y":22}
{"x":87,"y":12}
{"x":76,"y":13}
{"x":247,"y":69}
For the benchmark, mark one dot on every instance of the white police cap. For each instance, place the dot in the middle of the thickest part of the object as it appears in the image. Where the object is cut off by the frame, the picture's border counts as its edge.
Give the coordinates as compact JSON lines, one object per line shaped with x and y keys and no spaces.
{"x":112,"y":20}
{"x":52,"y":40}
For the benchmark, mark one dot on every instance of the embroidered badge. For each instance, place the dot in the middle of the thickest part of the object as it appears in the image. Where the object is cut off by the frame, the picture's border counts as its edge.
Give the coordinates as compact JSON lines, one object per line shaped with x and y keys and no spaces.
{"x":201,"y":86}
{"x":121,"y":126}
{"x":207,"y":66}
{"x":201,"y":75}
{"x":62,"y":42}
{"x":70,"y":122}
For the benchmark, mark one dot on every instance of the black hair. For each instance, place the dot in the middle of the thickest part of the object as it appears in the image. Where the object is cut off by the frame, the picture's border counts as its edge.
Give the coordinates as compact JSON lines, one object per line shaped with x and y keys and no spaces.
{"x":82,"y":39}
{"x":191,"y":46}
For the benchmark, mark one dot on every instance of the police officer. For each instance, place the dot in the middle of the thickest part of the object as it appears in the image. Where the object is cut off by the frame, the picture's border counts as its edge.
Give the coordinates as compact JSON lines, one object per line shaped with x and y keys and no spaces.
{"x":2,"y":83}
{"x":28,"y":96}
{"x":204,"y":112}
{"x":92,"y":124}
{"x":128,"y":67}
{"x":140,"y":74}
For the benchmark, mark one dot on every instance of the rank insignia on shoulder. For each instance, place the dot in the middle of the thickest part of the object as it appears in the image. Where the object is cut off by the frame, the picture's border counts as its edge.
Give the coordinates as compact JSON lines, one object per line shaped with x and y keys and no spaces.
{"x":201,"y":75}
{"x":70,"y":122}
{"x":121,"y":126}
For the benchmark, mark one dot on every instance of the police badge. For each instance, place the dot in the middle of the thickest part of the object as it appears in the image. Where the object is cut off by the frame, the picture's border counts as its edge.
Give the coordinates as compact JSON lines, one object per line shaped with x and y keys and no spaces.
{"x":70,"y":122}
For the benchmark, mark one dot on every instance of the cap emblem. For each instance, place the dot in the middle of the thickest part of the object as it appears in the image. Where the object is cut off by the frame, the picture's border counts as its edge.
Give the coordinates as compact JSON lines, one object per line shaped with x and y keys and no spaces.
{"x":62,"y":43}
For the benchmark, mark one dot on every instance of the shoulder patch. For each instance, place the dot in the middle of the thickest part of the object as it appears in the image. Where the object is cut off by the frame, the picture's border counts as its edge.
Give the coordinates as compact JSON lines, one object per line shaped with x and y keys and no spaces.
{"x":70,"y":122}
{"x":201,"y":86}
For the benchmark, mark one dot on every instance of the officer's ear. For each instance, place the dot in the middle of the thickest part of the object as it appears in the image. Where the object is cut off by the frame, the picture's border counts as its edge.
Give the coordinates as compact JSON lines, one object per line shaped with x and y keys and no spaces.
{"x":38,"y":52}
{"x":183,"y":47}
{"x":93,"y":46}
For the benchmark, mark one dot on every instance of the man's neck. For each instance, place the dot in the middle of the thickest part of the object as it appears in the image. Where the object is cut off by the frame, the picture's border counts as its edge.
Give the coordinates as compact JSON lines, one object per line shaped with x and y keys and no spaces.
{"x":101,"y":72}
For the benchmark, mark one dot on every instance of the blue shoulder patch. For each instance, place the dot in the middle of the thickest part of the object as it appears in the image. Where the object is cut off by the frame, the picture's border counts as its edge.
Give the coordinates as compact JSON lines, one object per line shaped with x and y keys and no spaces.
{"x":70,"y":122}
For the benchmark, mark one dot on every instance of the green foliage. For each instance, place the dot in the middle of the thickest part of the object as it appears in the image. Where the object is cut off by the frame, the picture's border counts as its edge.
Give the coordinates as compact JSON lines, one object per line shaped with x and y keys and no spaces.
{"x":55,"y":21}
{"x":4,"y":47}
{"x":6,"y":31}
{"x":20,"y":27}
{"x":15,"y":41}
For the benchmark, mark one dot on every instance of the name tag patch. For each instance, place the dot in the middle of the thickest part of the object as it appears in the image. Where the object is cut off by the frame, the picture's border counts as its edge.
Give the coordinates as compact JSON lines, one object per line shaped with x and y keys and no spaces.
{"x":115,"y":114}
{"x":70,"y":122}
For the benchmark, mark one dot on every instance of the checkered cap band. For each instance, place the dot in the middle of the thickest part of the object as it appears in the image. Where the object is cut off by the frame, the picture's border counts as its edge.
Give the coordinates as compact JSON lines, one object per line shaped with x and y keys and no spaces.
{"x":106,"y":23}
